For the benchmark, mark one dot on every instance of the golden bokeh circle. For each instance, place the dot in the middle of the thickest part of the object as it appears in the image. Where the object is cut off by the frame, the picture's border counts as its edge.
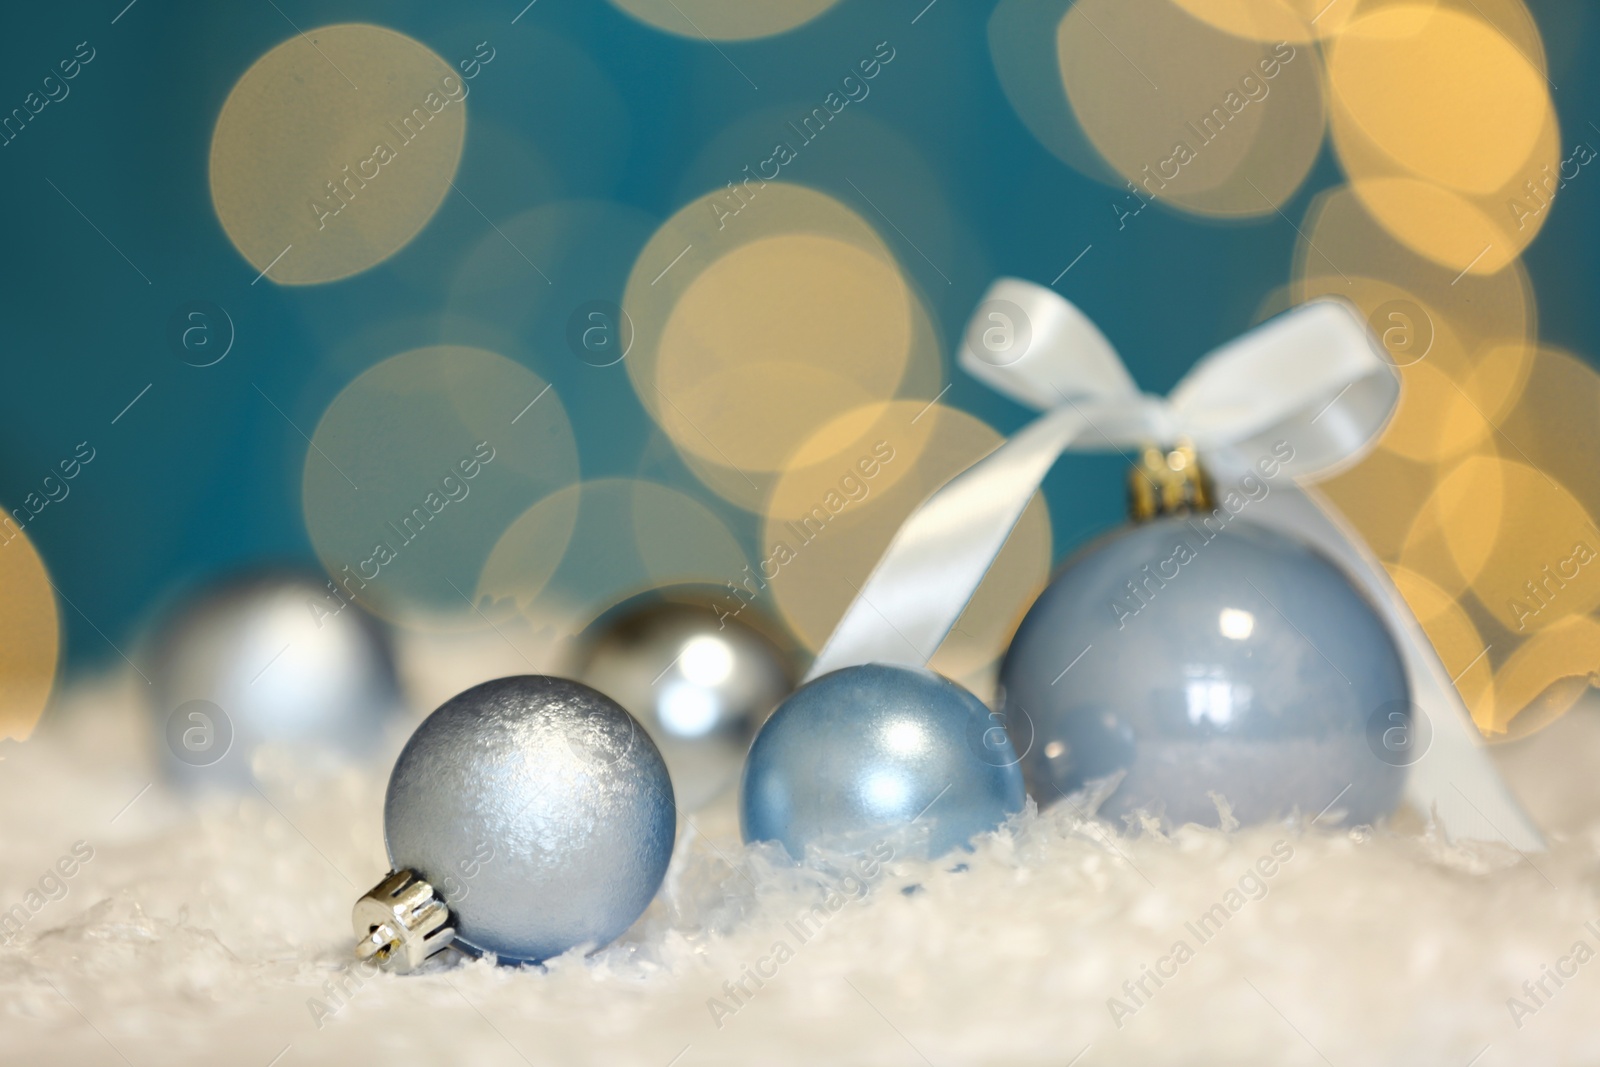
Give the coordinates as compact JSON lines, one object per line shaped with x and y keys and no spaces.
{"x":1555,"y":424}
{"x":333,"y":151}
{"x":1451,"y":405}
{"x":1514,"y":537}
{"x":751,"y":489}
{"x":831,"y":521}
{"x":1192,"y":115}
{"x":1456,"y":639}
{"x":1297,"y":21}
{"x":753,"y":329}
{"x":1451,"y":229}
{"x":1546,"y":676}
{"x":30,"y":634}
{"x":1445,"y":95}
{"x":1444,"y":125}
{"x":1381,"y":496}
{"x":842,"y":451}
{"x":1344,"y":251}
{"x":725,"y":20}
{"x":419,"y":464}
{"x":775,"y":335}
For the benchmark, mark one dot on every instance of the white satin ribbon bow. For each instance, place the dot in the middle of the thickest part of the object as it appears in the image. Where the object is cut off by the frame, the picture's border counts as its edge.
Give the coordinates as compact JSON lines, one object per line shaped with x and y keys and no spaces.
{"x":1313,"y":377}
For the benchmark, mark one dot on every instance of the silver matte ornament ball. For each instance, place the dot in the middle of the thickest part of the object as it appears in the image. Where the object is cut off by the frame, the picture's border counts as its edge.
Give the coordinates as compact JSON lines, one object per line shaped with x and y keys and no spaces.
{"x":878,"y":750}
{"x":1199,"y":657}
{"x":700,"y":680}
{"x":526,"y":816}
{"x":269,"y":657}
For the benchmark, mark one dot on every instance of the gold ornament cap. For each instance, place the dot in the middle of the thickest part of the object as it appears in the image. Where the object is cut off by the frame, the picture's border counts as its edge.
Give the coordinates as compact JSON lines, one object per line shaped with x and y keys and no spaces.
{"x":1168,"y":482}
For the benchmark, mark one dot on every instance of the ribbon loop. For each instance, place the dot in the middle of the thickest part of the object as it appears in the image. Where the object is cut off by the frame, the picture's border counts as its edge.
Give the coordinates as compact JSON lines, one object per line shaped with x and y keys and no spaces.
{"x":1027,"y":342}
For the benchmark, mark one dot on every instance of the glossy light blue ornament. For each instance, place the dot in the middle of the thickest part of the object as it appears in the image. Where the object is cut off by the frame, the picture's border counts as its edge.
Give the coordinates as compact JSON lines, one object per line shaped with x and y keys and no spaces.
{"x":525,"y":816}
{"x":878,"y":748}
{"x":1200,"y":654}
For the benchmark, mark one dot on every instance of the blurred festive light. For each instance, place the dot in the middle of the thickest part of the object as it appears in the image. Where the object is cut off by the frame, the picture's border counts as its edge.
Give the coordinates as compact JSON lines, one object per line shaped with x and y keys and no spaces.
{"x":1450,"y":405}
{"x":1445,"y":95}
{"x":1556,"y":423}
{"x":1511,"y":19}
{"x":823,"y":536}
{"x":1449,"y":397}
{"x":1206,"y":121}
{"x":1460,"y":646}
{"x":1380,"y":497}
{"x":853,"y":457}
{"x":752,"y":489}
{"x":588,"y":546}
{"x":1520,"y":541}
{"x":1296,"y":21}
{"x":30,"y":634}
{"x":1446,"y":130}
{"x":334,"y":149}
{"x":725,"y":20}
{"x":1341,"y":242}
{"x":419,"y":464}
{"x":753,"y":328}
{"x":775,"y":335}
{"x":1546,"y":676}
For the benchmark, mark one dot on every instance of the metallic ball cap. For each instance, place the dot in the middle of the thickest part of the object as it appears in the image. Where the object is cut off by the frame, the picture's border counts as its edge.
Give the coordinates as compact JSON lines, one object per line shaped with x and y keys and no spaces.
{"x":700,"y":680}
{"x":539,"y":811}
{"x":269,"y":656}
{"x":1228,"y":659}
{"x":878,"y":747}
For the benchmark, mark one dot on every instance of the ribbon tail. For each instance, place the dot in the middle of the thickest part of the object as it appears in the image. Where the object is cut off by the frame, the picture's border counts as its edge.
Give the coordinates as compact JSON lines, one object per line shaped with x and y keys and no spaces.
{"x":1454,"y":779}
{"x":937,"y":560}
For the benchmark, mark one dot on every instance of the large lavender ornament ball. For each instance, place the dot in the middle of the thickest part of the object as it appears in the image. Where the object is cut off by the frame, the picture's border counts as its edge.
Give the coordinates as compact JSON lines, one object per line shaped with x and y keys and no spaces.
{"x":878,"y":749}
{"x":1199,"y":658}
{"x":539,"y":812}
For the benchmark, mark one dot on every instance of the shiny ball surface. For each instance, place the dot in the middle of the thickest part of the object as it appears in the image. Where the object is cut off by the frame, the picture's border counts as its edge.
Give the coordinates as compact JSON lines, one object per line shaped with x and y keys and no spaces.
{"x":700,"y":684}
{"x":1199,"y":657}
{"x":268,"y":657}
{"x":878,"y":748}
{"x":539,"y":810}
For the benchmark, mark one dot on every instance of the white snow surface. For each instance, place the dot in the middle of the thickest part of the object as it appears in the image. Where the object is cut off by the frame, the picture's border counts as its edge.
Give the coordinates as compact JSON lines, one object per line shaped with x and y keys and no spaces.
{"x":216,"y":930}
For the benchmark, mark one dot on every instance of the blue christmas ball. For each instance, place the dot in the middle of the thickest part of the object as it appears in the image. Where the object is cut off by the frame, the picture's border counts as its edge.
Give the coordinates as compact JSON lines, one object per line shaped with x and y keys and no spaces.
{"x":878,"y":748}
{"x":1202,"y":658}
{"x":538,"y":810}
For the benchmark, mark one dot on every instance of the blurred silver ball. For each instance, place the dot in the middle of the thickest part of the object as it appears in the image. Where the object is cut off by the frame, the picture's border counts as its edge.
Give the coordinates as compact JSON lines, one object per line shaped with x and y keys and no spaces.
{"x":268,"y":657}
{"x":701,"y":681}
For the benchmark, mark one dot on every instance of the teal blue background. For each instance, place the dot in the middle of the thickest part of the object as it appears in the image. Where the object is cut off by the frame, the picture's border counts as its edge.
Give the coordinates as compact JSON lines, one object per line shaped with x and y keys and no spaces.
{"x":202,"y":475}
